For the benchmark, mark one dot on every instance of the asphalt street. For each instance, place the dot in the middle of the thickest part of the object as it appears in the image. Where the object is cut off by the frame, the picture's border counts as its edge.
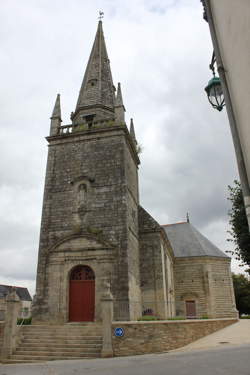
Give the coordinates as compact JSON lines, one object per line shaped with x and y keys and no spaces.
{"x":224,"y":360}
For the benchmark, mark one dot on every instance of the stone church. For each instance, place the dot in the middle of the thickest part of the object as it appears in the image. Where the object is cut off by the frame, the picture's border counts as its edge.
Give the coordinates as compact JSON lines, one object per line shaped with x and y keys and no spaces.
{"x":94,"y":233}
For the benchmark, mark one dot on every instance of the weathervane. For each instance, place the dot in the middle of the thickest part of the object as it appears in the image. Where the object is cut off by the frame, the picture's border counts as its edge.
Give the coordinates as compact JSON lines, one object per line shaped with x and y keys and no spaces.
{"x":101,"y":15}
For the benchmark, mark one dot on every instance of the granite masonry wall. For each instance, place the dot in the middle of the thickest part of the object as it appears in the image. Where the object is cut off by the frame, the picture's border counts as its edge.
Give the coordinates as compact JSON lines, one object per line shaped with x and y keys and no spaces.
{"x":156,"y":265}
{"x":208,"y":282}
{"x":90,"y":190}
{"x":162,"y":336}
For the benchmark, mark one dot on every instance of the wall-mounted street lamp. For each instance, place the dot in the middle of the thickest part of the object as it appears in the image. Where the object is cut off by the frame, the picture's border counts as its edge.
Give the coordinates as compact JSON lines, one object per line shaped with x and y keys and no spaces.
{"x":214,"y":90}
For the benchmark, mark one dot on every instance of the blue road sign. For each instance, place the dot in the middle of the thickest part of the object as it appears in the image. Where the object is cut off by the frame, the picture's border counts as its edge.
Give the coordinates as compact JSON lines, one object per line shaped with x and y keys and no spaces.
{"x":119,"y":332}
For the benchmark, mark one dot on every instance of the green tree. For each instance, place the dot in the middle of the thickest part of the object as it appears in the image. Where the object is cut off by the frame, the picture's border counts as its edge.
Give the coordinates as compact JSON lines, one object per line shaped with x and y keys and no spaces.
{"x":242,"y":293}
{"x":239,"y":231}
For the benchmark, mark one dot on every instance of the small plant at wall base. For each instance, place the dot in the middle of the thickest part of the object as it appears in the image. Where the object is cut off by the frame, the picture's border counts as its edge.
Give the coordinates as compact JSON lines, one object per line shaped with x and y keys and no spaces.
{"x":24,"y":322}
{"x":148,"y":318}
{"x":239,"y":231}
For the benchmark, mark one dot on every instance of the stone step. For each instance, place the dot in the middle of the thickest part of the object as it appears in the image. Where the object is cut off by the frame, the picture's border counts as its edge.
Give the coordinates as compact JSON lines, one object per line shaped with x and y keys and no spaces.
{"x":45,"y":343}
{"x":14,"y":361}
{"x":53,"y":329}
{"x":61,"y":352}
{"x":52,"y":343}
{"x":66,"y":343}
{"x":86,"y":331}
{"x":66,"y":325}
{"x":35,"y":345}
{"x":56,"y":337}
{"x":33,"y":358}
{"x":82,"y":331}
{"x":58,"y":349}
{"x":67,"y":329}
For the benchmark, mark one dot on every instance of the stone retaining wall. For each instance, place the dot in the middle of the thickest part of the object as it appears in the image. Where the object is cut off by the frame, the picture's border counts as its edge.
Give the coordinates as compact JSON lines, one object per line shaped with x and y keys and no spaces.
{"x":161,"y":336}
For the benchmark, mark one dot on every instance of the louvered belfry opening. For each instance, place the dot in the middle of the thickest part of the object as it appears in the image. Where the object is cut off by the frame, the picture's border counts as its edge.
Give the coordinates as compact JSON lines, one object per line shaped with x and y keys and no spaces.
{"x":82,"y":294}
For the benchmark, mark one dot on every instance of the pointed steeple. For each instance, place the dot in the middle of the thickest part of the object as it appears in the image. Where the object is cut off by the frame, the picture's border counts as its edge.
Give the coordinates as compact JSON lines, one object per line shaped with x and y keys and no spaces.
{"x":96,"y":95}
{"x":56,"y":117}
{"x":132,"y":131}
{"x":119,"y":106}
{"x":118,"y":99}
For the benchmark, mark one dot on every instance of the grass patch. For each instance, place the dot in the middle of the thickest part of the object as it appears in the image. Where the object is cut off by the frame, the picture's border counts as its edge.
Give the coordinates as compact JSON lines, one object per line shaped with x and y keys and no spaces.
{"x":177,"y":318}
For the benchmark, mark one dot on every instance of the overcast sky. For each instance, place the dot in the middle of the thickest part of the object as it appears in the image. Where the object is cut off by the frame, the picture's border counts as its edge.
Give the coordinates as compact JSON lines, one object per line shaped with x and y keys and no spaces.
{"x":159,"y":51}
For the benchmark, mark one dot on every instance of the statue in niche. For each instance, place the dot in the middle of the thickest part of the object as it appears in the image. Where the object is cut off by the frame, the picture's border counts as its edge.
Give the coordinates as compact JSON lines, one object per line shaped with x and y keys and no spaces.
{"x":82,"y":193}
{"x":81,"y":207}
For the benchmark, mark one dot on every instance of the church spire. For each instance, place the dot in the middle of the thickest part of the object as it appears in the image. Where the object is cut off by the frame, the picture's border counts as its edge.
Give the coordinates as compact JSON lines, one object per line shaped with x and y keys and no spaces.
{"x":118,"y":99}
{"x":132,"y":131}
{"x":56,"y":117}
{"x":96,"y":96}
{"x":119,"y":106}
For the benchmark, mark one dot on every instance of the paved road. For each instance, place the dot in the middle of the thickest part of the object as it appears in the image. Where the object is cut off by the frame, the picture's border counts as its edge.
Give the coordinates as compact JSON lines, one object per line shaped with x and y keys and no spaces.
{"x":231,"y":360}
{"x":237,"y":333}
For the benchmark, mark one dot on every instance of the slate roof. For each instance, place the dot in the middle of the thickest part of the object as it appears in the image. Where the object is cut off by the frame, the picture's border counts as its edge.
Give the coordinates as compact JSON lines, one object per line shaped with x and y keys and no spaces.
{"x":187,"y":241}
{"x":22,"y":293}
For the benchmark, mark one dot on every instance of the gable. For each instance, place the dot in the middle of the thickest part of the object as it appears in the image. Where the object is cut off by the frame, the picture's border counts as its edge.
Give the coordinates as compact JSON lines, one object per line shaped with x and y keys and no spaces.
{"x":146,"y":221}
{"x":80,"y":242}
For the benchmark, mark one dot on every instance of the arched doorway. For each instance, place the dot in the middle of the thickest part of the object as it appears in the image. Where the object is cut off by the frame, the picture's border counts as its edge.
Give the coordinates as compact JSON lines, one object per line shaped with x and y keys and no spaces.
{"x":82,"y":294}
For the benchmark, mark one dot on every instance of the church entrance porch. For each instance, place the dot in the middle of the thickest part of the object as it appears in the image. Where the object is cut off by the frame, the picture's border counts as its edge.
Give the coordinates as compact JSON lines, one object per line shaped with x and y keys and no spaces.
{"x":82,"y":294}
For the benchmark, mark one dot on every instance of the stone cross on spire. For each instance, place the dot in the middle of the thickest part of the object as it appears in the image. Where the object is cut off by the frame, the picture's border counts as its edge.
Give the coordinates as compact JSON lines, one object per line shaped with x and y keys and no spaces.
{"x":97,"y":93}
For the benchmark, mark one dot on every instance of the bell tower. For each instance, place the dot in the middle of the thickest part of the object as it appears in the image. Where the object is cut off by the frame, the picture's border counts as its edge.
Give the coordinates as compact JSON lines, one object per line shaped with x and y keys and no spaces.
{"x":90,"y":206}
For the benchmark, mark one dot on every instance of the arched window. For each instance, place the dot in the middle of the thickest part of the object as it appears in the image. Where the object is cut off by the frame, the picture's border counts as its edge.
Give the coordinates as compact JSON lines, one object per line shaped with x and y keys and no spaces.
{"x":82,"y":273}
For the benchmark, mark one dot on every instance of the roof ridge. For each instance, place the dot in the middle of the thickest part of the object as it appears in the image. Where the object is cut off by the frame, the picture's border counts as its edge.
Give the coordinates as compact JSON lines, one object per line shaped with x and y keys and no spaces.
{"x":194,"y":231}
{"x":179,"y":222}
{"x":14,"y":286}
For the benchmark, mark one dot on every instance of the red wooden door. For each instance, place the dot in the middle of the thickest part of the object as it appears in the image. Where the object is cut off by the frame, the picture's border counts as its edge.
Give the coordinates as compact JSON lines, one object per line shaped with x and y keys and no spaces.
{"x":190,"y":309}
{"x":82,"y":295}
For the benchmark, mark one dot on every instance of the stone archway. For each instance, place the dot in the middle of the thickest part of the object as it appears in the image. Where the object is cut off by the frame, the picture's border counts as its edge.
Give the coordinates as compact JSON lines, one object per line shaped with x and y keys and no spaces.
{"x":82,"y":294}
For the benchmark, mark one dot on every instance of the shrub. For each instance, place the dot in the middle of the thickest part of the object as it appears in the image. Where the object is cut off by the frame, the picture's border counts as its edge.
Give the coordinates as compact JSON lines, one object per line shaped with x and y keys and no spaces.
{"x":24,"y":322}
{"x":148,"y":318}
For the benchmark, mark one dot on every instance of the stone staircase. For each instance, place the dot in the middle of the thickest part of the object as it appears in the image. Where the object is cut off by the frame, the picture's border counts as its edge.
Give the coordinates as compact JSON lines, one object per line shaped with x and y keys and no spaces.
{"x":56,"y":342}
